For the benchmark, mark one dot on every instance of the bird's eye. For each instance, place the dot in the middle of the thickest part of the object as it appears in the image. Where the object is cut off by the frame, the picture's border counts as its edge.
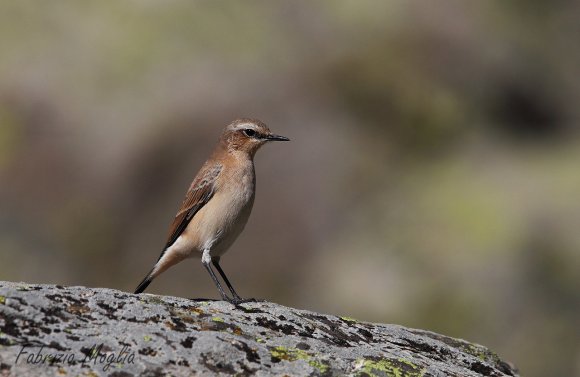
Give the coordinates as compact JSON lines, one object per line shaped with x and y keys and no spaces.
{"x":249,"y":132}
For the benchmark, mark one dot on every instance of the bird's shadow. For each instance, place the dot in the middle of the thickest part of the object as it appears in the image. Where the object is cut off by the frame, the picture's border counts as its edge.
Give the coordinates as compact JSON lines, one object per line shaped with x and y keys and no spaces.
{"x":201,"y":299}
{"x":236,"y":304}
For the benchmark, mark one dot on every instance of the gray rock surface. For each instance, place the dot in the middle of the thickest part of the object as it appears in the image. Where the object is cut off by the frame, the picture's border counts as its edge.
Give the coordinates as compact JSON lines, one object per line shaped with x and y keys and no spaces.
{"x":48,"y":330}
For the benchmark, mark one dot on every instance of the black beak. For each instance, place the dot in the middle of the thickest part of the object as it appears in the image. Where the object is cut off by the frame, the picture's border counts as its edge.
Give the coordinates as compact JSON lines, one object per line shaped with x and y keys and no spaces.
{"x":273,"y":137}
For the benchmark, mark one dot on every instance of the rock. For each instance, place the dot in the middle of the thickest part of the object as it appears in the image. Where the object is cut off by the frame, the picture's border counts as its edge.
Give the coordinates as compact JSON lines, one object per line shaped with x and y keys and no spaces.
{"x":68,"y":331}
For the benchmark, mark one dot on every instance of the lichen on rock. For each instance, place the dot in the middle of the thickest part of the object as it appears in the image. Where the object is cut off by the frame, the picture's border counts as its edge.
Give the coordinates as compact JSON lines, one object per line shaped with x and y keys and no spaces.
{"x":54,"y":331}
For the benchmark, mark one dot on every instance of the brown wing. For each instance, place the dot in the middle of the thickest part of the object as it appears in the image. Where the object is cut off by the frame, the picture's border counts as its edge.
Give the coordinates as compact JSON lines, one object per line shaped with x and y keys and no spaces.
{"x":199,"y":193}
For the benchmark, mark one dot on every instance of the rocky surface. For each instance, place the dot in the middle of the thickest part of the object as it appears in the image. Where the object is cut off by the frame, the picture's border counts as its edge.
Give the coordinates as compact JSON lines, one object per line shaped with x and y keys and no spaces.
{"x":70,"y":331}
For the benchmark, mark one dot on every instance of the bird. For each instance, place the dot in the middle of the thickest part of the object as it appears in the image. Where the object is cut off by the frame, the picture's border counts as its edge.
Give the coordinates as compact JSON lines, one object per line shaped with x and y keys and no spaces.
{"x":217,"y":204}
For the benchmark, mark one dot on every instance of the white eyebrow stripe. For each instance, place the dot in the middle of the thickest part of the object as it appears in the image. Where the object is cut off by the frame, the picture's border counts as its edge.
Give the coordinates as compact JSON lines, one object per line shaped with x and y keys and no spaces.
{"x":245,"y":126}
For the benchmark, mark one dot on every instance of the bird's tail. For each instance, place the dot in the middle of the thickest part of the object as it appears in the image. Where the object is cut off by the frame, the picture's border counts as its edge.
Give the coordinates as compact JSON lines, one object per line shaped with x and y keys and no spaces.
{"x":163,"y":263}
{"x":145,"y":283}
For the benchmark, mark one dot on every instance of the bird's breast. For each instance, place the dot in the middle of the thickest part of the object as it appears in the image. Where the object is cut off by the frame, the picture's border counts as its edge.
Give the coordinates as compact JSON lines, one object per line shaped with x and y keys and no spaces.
{"x":222,"y":219}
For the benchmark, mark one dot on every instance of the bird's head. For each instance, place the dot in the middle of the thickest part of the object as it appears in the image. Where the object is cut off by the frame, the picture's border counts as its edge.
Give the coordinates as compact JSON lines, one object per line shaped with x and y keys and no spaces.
{"x":248,"y":135}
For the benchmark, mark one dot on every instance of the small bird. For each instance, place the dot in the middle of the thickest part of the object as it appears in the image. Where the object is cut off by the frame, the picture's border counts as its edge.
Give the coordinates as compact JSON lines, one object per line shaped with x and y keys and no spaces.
{"x":217,"y":205}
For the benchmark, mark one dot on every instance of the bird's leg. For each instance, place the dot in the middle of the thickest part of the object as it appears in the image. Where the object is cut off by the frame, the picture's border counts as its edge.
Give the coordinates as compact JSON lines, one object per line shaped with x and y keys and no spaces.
{"x":216,"y":263}
{"x":206,"y":261}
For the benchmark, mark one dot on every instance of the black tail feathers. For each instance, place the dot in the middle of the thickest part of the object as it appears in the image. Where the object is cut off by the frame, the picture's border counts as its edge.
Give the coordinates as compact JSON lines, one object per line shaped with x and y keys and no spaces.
{"x":144,"y":284}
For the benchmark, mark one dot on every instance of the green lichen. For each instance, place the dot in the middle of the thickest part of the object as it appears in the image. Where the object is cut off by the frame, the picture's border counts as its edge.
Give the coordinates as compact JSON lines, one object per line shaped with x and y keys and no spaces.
{"x":480,"y":352}
{"x":2,"y":300}
{"x":475,"y":351}
{"x":292,"y":354}
{"x":388,"y":367}
{"x":260,"y":340}
{"x":155,"y":300}
{"x":218,"y":319}
{"x":147,"y":338}
{"x":411,"y":365}
{"x":349,"y":319}
{"x":321,"y":366}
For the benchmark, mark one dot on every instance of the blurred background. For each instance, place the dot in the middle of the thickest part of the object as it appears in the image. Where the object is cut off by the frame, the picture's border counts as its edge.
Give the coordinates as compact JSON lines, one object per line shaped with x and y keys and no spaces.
{"x":432,"y":180}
